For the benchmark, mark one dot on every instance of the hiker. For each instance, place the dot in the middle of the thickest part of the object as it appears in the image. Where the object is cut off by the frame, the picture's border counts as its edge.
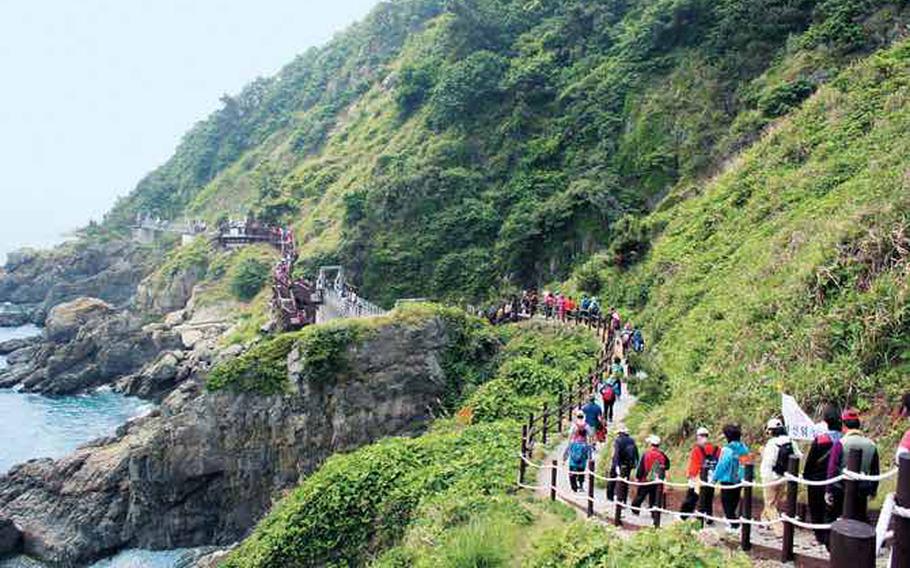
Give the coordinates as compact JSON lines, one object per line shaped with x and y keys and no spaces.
{"x":816,"y":469}
{"x":625,"y":457}
{"x":638,"y":341}
{"x":561,"y":306}
{"x":594,"y":308}
{"x":616,"y":373}
{"x":584,"y":305}
{"x":774,"y":462}
{"x":626,"y":336}
{"x":652,"y":467}
{"x":577,"y":455}
{"x":615,"y":320}
{"x":594,"y":418}
{"x":608,"y":390}
{"x":703,"y":453}
{"x":852,"y":439}
{"x":729,"y":472}
{"x":579,"y":429}
{"x":549,"y":302}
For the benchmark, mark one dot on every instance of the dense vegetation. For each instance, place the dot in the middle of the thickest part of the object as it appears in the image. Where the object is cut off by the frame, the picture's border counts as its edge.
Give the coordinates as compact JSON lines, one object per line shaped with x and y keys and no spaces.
{"x":447,"y":498}
{"x":790,"y":269}
{"x":450,"y":148}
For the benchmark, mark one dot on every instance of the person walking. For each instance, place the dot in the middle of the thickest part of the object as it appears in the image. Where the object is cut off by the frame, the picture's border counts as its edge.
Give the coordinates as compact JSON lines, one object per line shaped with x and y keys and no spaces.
{"x":729,"y":472}
{"x":853,"y":439}
{"x":652,"y":468}
{"x":576,"y":455}
{"x":594,"y":419}
{"x":816,"y":469}
{"x":608,"y":390}
{"x":625,"y":458}
{"x":703,"y":453}
{"x":774,"y":462}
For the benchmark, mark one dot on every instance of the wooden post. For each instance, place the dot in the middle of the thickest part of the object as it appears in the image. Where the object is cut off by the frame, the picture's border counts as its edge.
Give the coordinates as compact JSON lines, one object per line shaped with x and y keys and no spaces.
{"x":522,"y":466}
{"x":705,"y":495}
{"x":559,"y":414}
{"x":590,"y":488}
{"x":900,"y":550}
{"x":530,"y":428}
{"x":786,"y":553}
{"x":851,"y":487}
{"x":546,"y":423}
{"x":553,"y":473}
{"x":745,"y":534}
{"x":852,"y":544}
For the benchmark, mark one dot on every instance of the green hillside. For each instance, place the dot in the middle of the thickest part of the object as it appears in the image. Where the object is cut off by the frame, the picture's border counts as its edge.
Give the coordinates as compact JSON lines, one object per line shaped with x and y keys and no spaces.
{"x":449,"y":149}
{"x":789,"y":269}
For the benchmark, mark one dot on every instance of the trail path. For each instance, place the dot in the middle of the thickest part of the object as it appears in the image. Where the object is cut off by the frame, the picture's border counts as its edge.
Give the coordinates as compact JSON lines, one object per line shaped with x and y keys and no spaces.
{"x":805,"y":546}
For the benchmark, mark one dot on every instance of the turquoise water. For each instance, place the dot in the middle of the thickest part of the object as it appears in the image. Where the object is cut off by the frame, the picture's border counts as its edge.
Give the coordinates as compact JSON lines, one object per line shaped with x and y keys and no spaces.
{"x":33,"y":426}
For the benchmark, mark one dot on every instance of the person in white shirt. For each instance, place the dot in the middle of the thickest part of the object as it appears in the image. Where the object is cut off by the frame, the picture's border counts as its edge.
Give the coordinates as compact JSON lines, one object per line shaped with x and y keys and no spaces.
{"x":774,"y":458}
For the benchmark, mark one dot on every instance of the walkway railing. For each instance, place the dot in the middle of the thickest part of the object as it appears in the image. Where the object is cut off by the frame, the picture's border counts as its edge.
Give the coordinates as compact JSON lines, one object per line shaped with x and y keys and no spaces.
{"x":854,"y":543}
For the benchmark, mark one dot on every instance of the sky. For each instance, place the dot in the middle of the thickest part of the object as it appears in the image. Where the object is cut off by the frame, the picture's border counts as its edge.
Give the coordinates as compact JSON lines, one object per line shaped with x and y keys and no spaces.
{"x":94,"y":94}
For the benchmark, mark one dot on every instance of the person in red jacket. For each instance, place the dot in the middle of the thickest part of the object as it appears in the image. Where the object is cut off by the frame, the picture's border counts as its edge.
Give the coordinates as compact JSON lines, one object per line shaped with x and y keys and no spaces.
{"x":653,"y":466}
{"x":703,"y":453}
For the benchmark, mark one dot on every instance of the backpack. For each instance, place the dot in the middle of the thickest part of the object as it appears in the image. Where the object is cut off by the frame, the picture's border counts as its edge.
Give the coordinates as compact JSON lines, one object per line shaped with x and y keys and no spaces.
{"x":627,"y":456}
{"x":658,"y":469}
{"x":608,"y":394}
{"x":710,"y":461}
{"x":784,"y":451}
{"x":578,"y":455}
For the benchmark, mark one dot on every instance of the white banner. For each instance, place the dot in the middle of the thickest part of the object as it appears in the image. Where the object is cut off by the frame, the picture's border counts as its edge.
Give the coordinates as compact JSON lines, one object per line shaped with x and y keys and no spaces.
{"x":799,"y":424}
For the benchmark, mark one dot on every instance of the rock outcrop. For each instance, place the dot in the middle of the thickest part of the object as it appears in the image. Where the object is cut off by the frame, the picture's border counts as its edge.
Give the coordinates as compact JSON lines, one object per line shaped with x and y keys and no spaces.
{"x":207,"y":465}
{"x":65,"y":320}
{"x":87,"y":345}
{"x":109,"y":271}
{"x":10,"y":538}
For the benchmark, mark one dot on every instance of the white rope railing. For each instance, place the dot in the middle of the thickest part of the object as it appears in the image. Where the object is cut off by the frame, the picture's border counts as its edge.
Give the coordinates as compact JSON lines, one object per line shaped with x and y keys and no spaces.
{"x":717,"y":486}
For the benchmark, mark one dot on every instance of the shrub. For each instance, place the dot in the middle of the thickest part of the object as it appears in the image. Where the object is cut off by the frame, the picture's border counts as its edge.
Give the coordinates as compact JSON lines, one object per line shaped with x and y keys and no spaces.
{"x":248,"y":277}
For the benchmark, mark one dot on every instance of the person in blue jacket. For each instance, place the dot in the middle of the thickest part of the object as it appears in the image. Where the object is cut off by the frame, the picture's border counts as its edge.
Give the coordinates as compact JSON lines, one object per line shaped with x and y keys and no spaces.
{"x":729,"y":471}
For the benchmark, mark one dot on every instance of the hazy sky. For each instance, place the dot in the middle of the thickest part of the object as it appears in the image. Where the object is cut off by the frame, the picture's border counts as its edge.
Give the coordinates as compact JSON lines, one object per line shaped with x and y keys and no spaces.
{"x":96,"y":93}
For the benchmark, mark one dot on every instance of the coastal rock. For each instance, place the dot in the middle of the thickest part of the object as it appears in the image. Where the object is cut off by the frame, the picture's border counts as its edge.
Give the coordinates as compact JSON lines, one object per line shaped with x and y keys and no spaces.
{"x":101,"y":350}
{"x":10,"y":538}
{"x":65,"y":320}
{"x":162,"y":294}
{"x":109,"y":271}
{"x":11,"y":345}
{"x":209,"y":465}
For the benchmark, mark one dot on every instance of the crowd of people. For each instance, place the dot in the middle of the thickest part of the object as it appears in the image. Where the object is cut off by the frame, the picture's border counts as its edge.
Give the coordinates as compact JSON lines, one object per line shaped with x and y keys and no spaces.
{"x":725,"y":461}
{"x":556,"y":305}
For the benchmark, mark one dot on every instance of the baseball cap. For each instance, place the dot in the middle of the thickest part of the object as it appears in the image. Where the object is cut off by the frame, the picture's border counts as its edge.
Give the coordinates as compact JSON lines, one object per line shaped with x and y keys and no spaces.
{"x":653,"y":440}
{"x":850,"y":414}
{"x":702,"y":431}
{"x":774,"y":424}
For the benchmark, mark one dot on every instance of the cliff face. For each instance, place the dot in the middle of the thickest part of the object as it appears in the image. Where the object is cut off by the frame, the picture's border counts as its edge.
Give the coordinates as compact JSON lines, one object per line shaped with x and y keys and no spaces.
{"x":109,"y":271}
{"x":206,"y":466}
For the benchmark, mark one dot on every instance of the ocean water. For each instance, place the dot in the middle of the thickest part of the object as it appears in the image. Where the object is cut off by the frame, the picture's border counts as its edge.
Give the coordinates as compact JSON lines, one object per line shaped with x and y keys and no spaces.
{"x":36,"y":426}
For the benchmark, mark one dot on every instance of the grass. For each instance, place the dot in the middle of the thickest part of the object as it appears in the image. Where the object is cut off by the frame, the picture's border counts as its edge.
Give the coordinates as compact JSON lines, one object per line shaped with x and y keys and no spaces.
{"x":787,"y":271}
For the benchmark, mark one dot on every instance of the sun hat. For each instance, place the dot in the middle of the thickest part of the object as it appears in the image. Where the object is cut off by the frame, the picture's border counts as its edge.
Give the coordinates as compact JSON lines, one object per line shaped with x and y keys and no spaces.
{"x":653,"y":439}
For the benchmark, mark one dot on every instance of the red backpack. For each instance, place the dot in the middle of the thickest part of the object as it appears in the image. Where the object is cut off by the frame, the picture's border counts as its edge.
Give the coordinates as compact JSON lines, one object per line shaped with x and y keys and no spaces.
{"x":608,"y":394}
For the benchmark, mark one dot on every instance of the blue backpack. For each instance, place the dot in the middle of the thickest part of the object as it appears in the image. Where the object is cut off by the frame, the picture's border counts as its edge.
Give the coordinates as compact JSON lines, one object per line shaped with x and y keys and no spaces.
{"x":578,"y":455}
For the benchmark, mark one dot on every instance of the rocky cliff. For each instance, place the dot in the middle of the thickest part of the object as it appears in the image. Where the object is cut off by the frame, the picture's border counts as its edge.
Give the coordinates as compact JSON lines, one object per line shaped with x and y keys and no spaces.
{"x":109,"y":271}
{"x":205,"y":466}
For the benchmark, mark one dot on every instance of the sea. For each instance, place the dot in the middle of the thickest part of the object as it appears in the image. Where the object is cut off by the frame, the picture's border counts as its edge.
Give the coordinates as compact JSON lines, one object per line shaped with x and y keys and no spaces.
{"x":36,"y":426}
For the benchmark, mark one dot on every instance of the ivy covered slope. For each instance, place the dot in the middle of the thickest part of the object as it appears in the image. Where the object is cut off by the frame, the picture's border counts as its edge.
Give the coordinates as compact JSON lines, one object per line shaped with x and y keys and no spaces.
{"x":447,"y":498}
{"x":789,"y":270}
{"x":445,"y":148}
